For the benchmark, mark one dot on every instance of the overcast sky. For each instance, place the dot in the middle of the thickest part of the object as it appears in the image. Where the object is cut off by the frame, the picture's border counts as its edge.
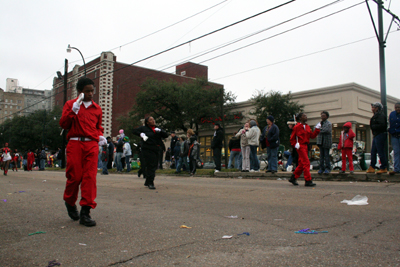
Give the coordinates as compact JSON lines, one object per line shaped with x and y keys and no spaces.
{"x":35,"y":35}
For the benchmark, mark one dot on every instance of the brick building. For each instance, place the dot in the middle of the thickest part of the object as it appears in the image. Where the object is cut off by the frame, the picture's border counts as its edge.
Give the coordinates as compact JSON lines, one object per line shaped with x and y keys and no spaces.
{"x":116,"y":85}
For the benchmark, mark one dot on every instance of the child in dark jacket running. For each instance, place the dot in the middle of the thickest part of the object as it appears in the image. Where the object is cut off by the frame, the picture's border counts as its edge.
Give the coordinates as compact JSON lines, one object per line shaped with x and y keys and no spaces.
{"x":346,"y":145}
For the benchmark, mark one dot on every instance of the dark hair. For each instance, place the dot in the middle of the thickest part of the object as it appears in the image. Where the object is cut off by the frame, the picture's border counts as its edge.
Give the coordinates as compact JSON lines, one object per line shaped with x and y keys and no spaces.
{"x":299,"y":115}
{"x":82,"y":83}
{"x":146,"y":121}
{"x":326,"y":113}
{"x":397,"y":103}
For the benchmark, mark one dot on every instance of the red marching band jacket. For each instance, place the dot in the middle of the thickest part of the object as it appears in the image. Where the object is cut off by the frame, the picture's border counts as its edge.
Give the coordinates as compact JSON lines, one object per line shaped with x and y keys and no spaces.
{"x":347,"y":139}
{"x":303,"y":135}
{"x":87,"y":123}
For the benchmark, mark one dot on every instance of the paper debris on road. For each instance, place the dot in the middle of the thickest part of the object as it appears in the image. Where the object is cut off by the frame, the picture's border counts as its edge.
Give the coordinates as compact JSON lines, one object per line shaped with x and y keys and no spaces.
{"x":227,"y":237}
{"x":184,"y":226}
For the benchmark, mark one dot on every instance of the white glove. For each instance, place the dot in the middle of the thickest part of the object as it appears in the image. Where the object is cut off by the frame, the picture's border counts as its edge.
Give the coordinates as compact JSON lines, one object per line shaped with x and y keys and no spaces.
{"x":75,"y":107}
{"x":297,"y":146}
{"x":102,"y":141}
{"x":144,"y":136}
{"x":318,"y":126}
{"x":80,"y":99}
{"x":157,"y":129}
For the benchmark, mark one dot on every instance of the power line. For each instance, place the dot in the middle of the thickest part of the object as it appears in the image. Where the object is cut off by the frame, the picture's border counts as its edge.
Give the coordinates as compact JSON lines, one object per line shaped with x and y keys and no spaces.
{"x":172,"y":48}
{"x":248,"y":36}
{"x":294,"y":58}
{"x":157,"y":31}
{"x":270,"y":37}
{"x":143,"y":37}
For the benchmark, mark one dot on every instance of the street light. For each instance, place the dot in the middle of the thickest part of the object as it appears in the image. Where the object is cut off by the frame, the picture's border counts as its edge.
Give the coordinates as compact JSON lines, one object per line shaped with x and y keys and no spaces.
{"x":69,"y":51}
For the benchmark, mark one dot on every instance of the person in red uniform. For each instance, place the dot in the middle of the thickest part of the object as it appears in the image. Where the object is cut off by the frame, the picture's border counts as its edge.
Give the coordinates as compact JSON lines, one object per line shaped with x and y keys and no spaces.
{"x":300,"y":139}
{"x":6,"y":158}
{"x":15,"y":160}
{"x":346,"y":145}
{"x":82,"y":118}
{"x":30,"y":160}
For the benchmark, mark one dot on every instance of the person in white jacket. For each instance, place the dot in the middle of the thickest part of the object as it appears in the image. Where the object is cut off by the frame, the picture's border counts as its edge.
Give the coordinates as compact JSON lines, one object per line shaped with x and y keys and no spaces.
{"x":253,"y":138}
{"x":127,"y":152}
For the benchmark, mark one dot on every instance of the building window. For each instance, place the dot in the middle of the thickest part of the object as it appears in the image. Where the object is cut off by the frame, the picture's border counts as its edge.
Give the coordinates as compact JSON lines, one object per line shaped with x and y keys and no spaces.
{"x":11,"y":101}
{"x":5,"y":112}
{"x":19,"y":101}
{"x":11,"y":107}
{"x":5,"y":106}
{"x":6,"y":100}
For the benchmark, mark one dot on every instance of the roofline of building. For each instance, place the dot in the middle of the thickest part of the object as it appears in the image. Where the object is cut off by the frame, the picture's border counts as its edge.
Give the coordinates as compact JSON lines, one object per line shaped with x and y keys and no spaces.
{"x":166,"y":72}
{"x":342,"y":87}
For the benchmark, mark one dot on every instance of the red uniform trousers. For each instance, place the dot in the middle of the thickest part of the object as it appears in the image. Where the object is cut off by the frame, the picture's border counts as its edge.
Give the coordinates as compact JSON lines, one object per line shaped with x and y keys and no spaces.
{"x":82,"y":157}
{"x":347,"y":151}
{"x":304,"y":163}
{"x":30,"y":163}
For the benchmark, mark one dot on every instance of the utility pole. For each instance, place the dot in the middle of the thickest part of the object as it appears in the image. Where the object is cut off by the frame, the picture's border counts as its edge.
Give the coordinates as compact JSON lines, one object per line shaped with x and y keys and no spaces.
{"x":382,"y":44}
{"x":64,"y":133}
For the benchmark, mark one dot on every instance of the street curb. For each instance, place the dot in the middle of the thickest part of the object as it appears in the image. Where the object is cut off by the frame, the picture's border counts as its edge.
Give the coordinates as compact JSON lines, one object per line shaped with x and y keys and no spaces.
{"x":360,"y":177}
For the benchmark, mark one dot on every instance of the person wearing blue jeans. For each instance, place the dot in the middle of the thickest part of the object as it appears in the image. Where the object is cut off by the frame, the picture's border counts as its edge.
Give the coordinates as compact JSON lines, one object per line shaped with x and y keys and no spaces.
{"x":184,"y":151}
{"x":394,"y":130}
{"x":290,"y":158}
{"x":253,"y":138}
{"x":378,"y":124}
{"x":270,"y":136}
{"x":324,"y":142}
{"x":235,"y":149}
{"x":118,"y":157}
{"x":254,"y":162}
{"x":235,"y":156}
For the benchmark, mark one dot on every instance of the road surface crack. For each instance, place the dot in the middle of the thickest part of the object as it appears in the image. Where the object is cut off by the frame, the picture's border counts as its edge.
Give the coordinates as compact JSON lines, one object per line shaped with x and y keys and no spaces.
{"x":369,"y":230}
{"x":150,"y":252}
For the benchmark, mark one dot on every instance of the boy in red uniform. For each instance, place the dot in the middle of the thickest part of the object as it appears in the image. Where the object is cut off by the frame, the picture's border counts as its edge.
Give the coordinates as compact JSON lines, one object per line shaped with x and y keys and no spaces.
{"x":346,"y":145}
{"x":300,"y":139}
{"x":82,"y":117}
{"x":31,"y":159}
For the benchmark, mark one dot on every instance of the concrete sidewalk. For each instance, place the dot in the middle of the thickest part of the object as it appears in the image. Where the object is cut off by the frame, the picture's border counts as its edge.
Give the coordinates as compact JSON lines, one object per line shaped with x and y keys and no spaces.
{"x":333,"y":176}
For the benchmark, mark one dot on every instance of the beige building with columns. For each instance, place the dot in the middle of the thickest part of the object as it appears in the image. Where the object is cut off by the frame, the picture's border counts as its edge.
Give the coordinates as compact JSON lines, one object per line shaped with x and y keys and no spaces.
{"x":346,"y":102}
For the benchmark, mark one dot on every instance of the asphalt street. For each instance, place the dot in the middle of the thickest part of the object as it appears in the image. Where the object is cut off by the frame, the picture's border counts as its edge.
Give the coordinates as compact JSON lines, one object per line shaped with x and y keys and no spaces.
{"x":141,"y":227}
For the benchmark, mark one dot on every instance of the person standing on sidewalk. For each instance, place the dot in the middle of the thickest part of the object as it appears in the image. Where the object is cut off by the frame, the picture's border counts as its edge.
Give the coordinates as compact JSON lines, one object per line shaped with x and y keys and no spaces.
{"x":253,"y":137}
{"x":245,"y":147}
{"x":346,"y":145}
{"x":394,"y":130}
{"x":110,"y":147}
{"x":119,"y":149}
{"x":152,"y":138}
{"x":216,"y":146}
{"x":82,"y":117}
{"x":104,"y":159}
{"x":378,"y":124}
{"x":300,"y":139}
{"x":324,"y":142}
{"x":270,"y":136}
{"x":128,"y":153}
{"x":235,"y":149}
